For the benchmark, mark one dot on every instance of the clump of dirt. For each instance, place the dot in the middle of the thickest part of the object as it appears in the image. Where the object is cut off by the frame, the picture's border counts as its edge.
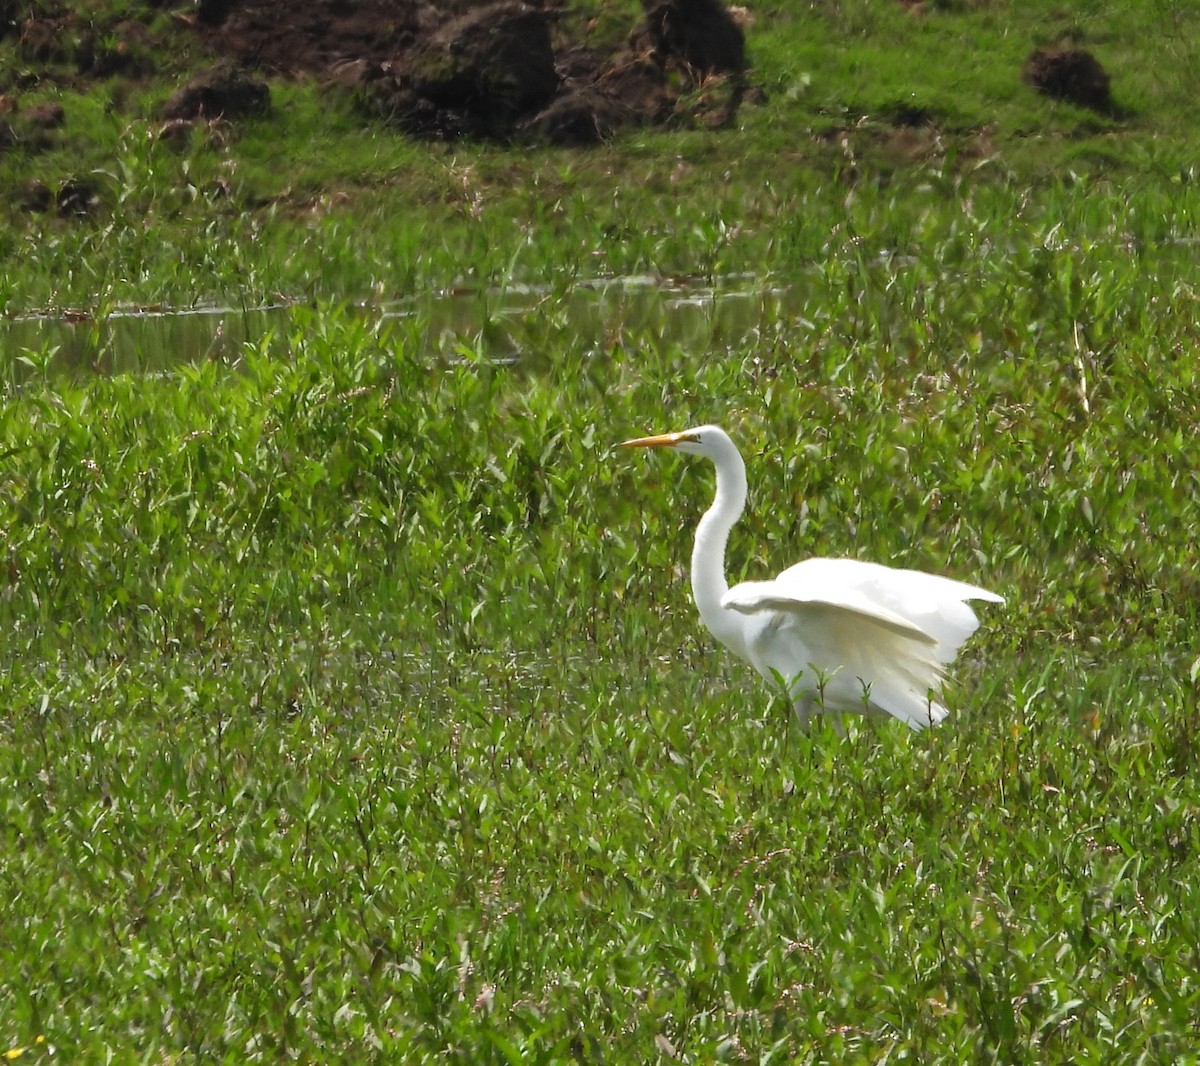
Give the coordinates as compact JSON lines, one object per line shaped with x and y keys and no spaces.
{"x":478,"y":75}
{"x":225,"y":91}
{"x":497,"y":69}
{"x":700,"y":35}
{"x":1071,"y":74}
{"x":29,"y":130}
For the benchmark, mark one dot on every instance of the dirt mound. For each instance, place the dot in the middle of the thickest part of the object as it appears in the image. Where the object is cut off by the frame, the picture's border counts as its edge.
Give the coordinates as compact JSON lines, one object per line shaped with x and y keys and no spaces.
{"x":498,"y":69}
{"x":282,"y":37}
{"x":700,"y":34}
{"x":479,"y":74}
{"x":222,"y":92}
{"x":1071,"y":74}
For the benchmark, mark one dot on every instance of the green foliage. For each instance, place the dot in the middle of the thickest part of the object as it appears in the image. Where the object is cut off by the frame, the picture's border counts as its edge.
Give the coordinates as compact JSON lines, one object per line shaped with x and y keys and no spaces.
{"x":853,"y":93}
{"x":354,"y":707}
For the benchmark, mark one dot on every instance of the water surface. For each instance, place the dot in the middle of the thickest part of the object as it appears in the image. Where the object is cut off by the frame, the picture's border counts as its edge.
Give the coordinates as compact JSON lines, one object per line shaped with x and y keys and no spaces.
{"x":509,"y":324}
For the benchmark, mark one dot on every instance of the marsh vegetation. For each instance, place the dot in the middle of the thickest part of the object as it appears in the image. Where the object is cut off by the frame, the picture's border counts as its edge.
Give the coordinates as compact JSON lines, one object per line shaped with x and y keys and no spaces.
{"x":353,"y":703}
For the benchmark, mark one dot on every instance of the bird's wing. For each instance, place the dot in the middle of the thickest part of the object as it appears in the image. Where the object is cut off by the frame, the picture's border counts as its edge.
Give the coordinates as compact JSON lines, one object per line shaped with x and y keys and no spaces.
{"x":751,"y":597}
{"x":847,"y":658}
{"x":934,"y":604}
{"x":886,"y":581}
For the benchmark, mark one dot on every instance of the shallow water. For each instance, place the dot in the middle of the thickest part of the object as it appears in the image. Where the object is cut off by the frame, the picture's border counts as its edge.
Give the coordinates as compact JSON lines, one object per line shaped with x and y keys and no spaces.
{"x":135,"y":340}
{"x":508,"y":325}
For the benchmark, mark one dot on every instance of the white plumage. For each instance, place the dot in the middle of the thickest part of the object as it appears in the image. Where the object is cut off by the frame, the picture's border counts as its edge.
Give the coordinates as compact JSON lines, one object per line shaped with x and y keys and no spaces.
{"x":842,"y":635}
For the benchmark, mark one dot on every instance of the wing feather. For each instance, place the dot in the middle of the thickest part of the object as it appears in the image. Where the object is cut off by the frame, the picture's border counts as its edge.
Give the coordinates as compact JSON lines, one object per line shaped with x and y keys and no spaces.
{"x":858,"y":636}
{"x":847,"y":661}
{"x":752,"y":596}
{"x":934,"y":604}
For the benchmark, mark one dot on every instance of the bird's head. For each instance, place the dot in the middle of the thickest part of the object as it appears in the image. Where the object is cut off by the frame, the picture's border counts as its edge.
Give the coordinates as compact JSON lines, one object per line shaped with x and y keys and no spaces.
{"x":708,"y":441}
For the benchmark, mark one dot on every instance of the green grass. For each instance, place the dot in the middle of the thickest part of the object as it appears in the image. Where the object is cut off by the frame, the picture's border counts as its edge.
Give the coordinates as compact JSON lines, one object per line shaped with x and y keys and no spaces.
{"x":357,"y":707}
{"x":354,"y":705}
{"x":316,"y":201}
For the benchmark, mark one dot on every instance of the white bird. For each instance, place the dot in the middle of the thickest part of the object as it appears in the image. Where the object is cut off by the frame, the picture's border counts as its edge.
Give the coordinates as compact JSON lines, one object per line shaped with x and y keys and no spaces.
{"x":840,"y":634}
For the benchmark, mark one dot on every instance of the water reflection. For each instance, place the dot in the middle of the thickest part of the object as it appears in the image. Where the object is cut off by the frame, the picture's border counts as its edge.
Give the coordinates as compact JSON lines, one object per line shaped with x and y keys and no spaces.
{"x":506,"y":324}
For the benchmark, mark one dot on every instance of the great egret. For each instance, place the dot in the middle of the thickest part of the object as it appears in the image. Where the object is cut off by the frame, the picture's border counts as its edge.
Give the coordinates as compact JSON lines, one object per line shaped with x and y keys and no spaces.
{"x":842,"y":635}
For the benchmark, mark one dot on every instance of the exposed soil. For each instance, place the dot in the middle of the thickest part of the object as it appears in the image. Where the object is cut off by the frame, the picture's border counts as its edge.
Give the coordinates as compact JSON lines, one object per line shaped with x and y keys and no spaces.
{"x":495,"y":70}
{"x":1070,"y":74}
{"x":225,"y":91}
{"x":280,"y":37}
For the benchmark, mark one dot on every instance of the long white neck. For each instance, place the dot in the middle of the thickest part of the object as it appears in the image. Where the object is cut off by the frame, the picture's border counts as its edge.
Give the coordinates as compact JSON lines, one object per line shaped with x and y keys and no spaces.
{"x":708,"y":553}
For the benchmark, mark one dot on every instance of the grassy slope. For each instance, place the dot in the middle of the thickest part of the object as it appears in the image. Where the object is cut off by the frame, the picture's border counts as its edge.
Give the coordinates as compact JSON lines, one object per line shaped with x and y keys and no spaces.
{"x":355,"y":705}
{"x":221,"y":218}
